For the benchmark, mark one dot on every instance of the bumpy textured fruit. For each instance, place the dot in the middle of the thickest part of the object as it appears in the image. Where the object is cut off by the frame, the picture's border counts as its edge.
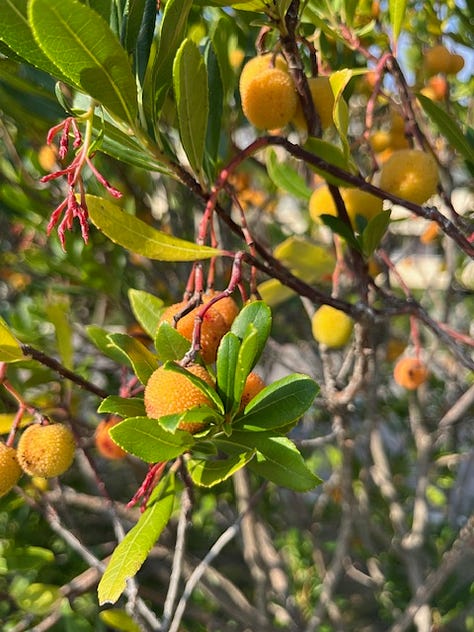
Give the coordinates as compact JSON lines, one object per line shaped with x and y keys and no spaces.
{"x":253,"y":385}
{"x":168,"y":393}
{"x":104,"y":442}
{"x":411,"y":174}
{"x":269,"y":100}
{"x":259,"y":64}
{"x":226,"y":306}
{"x":213,"y":328}
{"x":357,"y":202}
{"x":46,"y":451}
{"x":331,"y":327}
{"x":410,"y":373}
{"x":10,"y":470}
{"x":323,"y":99}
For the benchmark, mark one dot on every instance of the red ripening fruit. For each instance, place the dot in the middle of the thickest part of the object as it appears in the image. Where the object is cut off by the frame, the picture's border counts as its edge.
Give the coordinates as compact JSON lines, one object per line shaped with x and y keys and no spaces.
{"x":104,"y":443}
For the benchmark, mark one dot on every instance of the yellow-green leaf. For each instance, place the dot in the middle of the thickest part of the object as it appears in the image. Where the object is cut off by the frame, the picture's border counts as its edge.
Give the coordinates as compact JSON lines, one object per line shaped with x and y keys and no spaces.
{"x":10,"y":350}
{"x":134,"y":235}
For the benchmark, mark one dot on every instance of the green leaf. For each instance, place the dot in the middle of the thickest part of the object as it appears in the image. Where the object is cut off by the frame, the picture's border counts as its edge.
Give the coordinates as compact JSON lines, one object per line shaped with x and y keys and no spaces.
{"x":38,"y":599}
{"x":158,"y":76}
{"x":134,"y":235}
{"x":207,"y":473}
{"x":280,"y":403}
{"x":246,"y":360}
{"x":216,"y":103}
{"x":170,"y":344}
{"x":448,"y":127}
{"x":134,"y":548}
{"x":190,"y":89}
{"x":340,"y":227}
{"x":209,"y":391}
{"x":16,"y":33}
{"x":100,"y":337}
{"x":10,"y":350}
{"x":256,"y":314}
{"x":143,"y":361}
{"x":374,"y":232}
{"x":146,"y":308}
{"x":227,"y":356}
{"x":277,"y":458}
{"x":330,"y":154}
{"x":286,"y":178}
{"x":195,"y":415}
{"x":57,"y":311}
{"x":122,"y":406}
{"x":397,"y":10}
{"x":82,"y":45}
{"x":146,"y":439}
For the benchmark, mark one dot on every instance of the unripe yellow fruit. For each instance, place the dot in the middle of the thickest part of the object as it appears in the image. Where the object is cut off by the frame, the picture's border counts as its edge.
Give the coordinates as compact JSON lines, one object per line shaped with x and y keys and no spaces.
{"x":168,"y":393}
{"x":437,"y":59}
{"x":410,"y":174}
{"x":380,"y":140}
{"x":213,"y":328}
{"x":323,"y":99}
{"x":456,"y":64}
{"x":257,"y":65}
{"x":46,"y":451}
{"x":269,"y":100}
{"x":253,"y":385}
{"x":331,"y":327}
{"x":357,"y":202}
{"x":10,"y":470}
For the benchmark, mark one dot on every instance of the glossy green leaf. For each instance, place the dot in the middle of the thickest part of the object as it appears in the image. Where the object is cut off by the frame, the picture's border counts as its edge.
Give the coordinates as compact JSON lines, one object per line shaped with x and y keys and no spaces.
{"x":374,"y":232}
{"x":192,"y":101}
{"x":133,"y":550}
{"x":146,"y":439}
{"x":227,"y":357}
{"x":57,"y":312}
{"x":448,"y":127}
{"x":397,"y":9}
{"x":216,"y":104}
{"x":286,"y":178}
{"x":158,"y":78}
{"x":134,"y":235}
{"x":82,"y":45}
{"x":26,"y":558}
{"x":341,"y":228}
{"x":256,"y":314}
{"x":195,"y":415}
{"x":170,"y":344}
{"x":142,"y":360}
{"x":246,"y":360}
{"x":100,"y":337}
{"x":281,"y":402}
{"x":146,"y":308}
{"x":122,"y":406}
{"x":117,"y":619}
{"x":10,"y":350}
{"x":16,"y":33}
{"x":209,"y":391}
{"x":207,"y":473}
{"x":332,"y":155}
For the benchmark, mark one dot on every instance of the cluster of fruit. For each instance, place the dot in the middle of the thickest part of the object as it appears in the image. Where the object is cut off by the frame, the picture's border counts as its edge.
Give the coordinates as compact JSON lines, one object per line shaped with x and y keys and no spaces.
{"x":44,"y":451}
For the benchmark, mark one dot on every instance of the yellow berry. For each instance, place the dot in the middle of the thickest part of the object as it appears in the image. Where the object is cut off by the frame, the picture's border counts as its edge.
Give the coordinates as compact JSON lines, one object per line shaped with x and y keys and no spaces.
{"x":46,"y":451}
{"x":253,"y":385}
{"x":357,"y":202}
{"x":323,"y":99}
{"x":269,"y":99}
{"x":168,"y":393}
{"x":213,"y":328}
{"x":331,"y":327}
{"x":410,"y":373}
{"x":456,"y":63}
{"x":257,"y":65}
{"x":410,"y":174}
{"x":380,"y":140}
{"x":437,"y":59}
{"x":104,"y":443}
{"x":10,"y":470}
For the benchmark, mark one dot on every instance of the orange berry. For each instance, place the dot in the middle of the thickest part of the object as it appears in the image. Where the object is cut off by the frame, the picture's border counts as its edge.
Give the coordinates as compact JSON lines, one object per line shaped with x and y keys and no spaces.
{"x":46,"y":451}
{"x":104,"y":443}
{"x":213,"y":328}
{"x":226,"y":306}
{"x":438,"y":86}
{"x":257,"y":65}
{"x":410,"y":373}
{"x":168,"y":393}
{"x":410,"y":174}
{"x":323,"y":99}
{"x":269,"y":99}
{"x":10,"y":470}
{"x":430,"y":233}
{"x":253,"y":385}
